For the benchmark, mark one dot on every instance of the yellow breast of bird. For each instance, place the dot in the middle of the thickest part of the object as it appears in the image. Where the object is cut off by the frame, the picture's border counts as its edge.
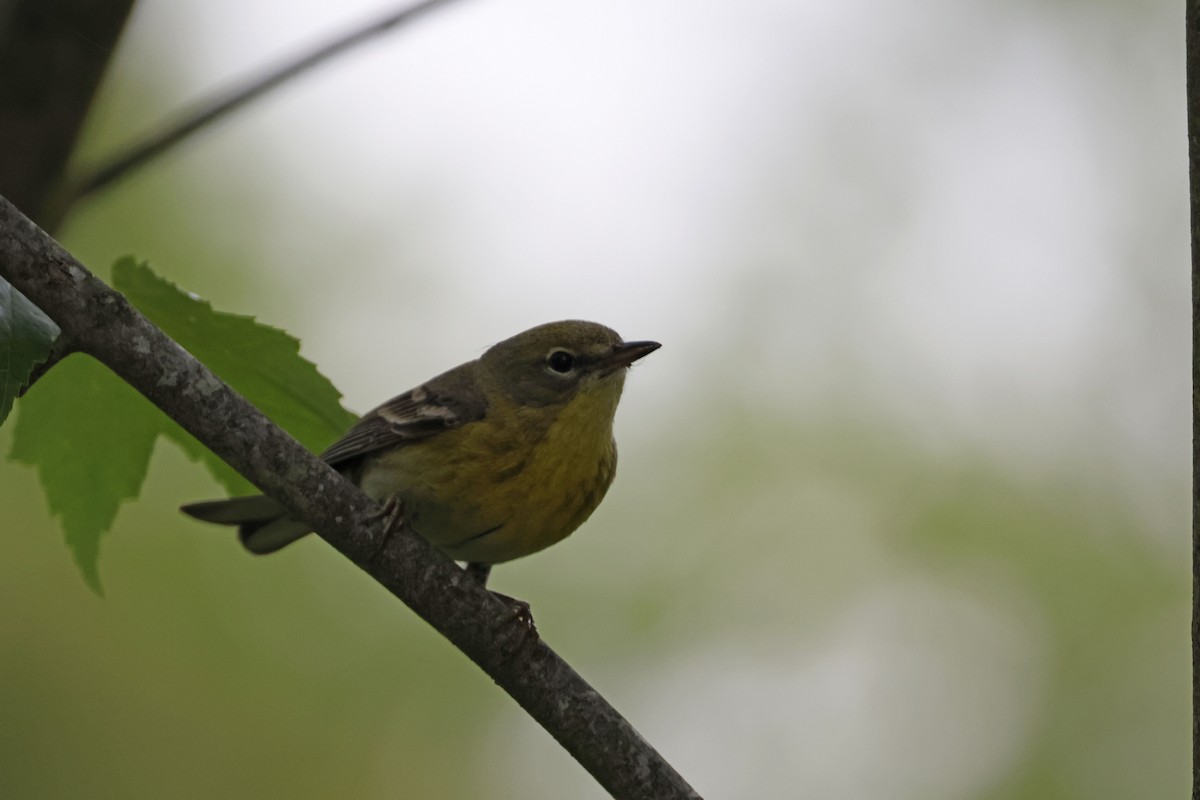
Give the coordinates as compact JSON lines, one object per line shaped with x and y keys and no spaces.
{"x":506,"y":486}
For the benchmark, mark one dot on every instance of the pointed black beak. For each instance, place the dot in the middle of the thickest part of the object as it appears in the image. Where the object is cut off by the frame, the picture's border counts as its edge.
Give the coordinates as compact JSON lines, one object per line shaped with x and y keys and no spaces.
{"x":625,"y":354}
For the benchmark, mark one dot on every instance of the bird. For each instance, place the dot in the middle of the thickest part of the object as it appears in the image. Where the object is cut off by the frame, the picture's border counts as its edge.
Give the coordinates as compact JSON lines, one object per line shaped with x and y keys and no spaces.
{"x":493,"y":460}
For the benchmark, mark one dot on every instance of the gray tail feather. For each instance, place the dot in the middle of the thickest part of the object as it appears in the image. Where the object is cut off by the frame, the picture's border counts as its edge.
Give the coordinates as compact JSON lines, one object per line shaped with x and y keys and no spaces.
{"x":263,"y":524}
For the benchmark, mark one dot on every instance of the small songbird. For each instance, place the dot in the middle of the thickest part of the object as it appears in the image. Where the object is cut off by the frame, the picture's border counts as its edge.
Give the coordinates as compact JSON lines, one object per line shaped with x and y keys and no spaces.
{"x":498,"y":458}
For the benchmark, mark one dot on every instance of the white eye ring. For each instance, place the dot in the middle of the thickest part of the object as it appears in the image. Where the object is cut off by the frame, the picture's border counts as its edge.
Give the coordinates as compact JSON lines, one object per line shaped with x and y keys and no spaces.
{"x":560,"y":361}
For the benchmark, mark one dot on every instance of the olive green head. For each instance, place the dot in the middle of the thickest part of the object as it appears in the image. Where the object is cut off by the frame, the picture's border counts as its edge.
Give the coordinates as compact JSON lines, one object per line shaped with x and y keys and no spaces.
{"x":552,"y":363}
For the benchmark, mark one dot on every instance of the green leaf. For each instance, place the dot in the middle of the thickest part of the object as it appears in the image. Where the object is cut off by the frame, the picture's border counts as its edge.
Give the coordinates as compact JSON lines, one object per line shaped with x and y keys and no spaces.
{"x":25,"y":338}
{"x":90,"y":436}
{"x":261,"y":362}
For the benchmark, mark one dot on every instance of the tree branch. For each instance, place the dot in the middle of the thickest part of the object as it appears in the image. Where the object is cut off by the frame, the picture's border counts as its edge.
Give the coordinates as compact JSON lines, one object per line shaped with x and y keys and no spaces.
{"x":103,"y":324}
{"x":52,"y":56}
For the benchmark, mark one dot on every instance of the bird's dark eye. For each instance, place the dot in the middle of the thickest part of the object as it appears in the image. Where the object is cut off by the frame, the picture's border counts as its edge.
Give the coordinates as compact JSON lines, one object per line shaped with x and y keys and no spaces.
{"x":561,"y":361}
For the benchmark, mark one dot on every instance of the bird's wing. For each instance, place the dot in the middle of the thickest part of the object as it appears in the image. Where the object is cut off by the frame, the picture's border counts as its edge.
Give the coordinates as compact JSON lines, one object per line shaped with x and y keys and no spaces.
{"x":448,"y":401}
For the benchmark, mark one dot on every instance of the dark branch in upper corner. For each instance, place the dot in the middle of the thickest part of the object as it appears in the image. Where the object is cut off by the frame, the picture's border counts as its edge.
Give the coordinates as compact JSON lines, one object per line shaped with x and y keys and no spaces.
{"x":224,"y":103}
{"x":103,"y":325}
{"x":52,"y":58}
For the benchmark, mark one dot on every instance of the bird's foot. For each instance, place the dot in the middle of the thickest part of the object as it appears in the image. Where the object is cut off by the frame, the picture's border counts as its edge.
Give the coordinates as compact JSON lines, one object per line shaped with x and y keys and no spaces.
{"x":514,"y":609}
{"x":519,"y":611}
{"x":392,"y":514}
